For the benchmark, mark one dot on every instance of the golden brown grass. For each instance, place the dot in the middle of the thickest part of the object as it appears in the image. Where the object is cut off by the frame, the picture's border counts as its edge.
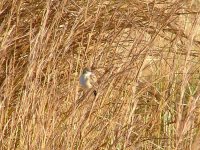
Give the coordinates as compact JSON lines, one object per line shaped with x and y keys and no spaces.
{"x":146,"y":56}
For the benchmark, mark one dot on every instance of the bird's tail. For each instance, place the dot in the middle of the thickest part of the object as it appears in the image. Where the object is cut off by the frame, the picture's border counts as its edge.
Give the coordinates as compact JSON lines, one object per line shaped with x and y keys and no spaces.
{"x":95,"y":93}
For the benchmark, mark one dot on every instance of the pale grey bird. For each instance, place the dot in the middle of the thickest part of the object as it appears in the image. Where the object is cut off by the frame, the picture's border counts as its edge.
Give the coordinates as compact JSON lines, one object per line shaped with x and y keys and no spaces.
{"x":88,"y":79}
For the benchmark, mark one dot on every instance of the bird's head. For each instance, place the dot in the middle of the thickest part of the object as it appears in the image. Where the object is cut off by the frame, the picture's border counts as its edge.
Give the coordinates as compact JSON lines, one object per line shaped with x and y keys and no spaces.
{"x":86,"y":70}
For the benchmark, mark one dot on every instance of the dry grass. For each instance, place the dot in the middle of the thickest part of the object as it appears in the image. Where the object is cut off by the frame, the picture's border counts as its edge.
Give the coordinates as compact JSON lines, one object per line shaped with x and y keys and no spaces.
{"x":146,"y":56}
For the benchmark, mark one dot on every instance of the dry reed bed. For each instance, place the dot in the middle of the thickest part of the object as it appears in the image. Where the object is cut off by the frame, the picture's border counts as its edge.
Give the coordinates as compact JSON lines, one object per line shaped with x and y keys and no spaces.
{"x":145,"y":54}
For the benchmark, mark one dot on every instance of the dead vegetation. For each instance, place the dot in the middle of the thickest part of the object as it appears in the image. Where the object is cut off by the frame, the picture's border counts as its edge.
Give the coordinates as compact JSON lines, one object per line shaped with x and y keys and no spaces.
{"x":145,"y":54}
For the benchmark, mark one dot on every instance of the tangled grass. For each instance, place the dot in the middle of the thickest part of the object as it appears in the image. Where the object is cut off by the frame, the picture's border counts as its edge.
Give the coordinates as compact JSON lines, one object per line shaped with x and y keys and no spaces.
{"x":145,"y":54}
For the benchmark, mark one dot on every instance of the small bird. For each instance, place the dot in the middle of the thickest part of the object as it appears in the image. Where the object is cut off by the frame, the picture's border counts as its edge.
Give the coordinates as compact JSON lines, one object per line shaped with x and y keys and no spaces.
{"x":88,"y":79}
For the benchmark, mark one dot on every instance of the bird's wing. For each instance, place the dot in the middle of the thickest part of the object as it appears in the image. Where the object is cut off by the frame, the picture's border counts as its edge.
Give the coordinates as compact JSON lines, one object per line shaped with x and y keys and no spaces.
{"x":93,"y":80}
{"x":94,"y":83}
